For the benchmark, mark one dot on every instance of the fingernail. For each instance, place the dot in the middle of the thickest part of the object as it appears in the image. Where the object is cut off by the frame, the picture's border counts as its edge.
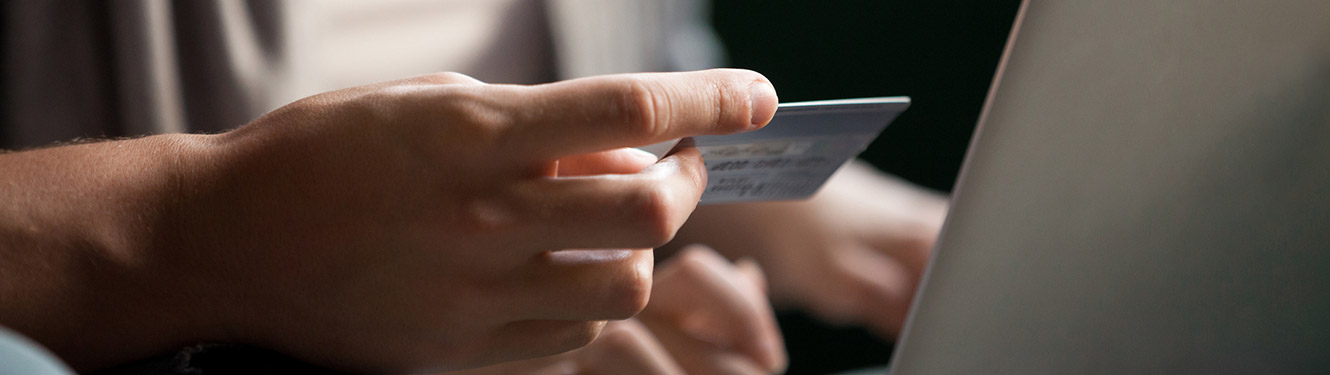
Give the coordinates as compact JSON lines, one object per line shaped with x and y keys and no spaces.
{"x":762,"y":101}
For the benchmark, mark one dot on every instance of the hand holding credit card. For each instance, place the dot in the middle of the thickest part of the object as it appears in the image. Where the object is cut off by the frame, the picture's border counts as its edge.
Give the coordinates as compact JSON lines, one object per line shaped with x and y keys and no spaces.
{"x":795,"y":154}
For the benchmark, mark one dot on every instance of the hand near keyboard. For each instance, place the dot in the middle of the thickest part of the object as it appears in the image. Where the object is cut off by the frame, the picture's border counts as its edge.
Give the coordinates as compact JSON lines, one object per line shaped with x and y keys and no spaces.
{"x":852,"y":254}
{"x":706,"y":316}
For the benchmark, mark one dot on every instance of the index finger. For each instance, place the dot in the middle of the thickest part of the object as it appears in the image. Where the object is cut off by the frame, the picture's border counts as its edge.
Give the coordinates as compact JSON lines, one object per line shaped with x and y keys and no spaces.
{"x":599,"y":113}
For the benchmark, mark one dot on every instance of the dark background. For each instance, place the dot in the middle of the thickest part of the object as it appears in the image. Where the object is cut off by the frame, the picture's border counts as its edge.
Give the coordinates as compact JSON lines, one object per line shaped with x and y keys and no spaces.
{"x":942,"y":54}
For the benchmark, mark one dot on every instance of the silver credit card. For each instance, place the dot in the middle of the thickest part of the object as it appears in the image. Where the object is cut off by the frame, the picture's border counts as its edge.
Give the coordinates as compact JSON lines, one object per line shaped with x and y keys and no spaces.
{"x":794,"y":155}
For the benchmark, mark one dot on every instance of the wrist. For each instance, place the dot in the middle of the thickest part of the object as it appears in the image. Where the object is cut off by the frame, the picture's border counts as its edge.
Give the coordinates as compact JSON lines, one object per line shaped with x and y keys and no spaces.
{"x":211,"y":255}
{"x":198,"y":249}
{"x":106,"y":220}
{"x":170,"y":267}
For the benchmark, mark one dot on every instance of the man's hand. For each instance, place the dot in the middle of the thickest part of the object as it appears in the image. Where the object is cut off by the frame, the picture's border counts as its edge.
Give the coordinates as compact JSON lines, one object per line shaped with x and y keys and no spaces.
{"x":706,"y":317}
{"x":409,"y":225}
{"x":853,"y":253}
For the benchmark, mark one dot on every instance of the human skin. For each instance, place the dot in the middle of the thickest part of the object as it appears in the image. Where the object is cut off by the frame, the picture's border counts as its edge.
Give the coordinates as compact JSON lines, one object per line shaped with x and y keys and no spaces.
{"x":851,"y":254}
{"x":706,"y":317}
{"x":412,"y":225}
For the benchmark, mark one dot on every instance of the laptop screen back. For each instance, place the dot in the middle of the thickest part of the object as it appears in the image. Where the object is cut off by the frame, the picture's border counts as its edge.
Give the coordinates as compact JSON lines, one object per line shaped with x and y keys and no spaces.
{"x":1148,"y":192}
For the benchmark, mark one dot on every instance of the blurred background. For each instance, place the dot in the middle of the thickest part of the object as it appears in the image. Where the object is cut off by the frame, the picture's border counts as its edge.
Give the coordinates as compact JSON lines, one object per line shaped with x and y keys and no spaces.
{"x":942,"y":54}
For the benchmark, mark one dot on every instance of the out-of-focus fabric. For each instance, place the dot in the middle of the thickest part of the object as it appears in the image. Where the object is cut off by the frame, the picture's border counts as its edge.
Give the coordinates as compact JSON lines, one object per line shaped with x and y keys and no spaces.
{"x":76,"y":69}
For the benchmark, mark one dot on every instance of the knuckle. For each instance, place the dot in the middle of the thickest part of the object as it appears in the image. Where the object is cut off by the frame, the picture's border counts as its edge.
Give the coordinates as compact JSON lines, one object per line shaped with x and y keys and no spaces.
{"x":641,"y":109}
{"x":444,"y":78}
{"x":468,"y":110}
{"x":484,"y":215}
{"x":653,"y":214}
{"x":734,"y":100}
{"x":724,"y":93}
{"x":463,"y":113}
{"x":629,"y":296}
{"x":452,"y":105}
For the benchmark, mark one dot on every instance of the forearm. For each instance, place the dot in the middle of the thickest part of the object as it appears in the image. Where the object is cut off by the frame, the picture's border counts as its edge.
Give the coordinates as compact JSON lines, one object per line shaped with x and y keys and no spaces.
{"x":78,"y":228}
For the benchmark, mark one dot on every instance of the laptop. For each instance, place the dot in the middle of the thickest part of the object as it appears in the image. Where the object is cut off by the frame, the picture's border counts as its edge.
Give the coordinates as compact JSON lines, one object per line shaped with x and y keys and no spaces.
{"x":1148,"y":192}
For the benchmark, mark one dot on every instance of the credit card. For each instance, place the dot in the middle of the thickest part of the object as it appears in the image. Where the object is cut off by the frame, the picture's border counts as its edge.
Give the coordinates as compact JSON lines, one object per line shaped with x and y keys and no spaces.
{"x":795,"y":154}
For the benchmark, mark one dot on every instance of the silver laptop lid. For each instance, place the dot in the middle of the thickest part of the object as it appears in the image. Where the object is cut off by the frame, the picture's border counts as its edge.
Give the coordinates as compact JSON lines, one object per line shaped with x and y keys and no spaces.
{"x":1149,"y":192}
